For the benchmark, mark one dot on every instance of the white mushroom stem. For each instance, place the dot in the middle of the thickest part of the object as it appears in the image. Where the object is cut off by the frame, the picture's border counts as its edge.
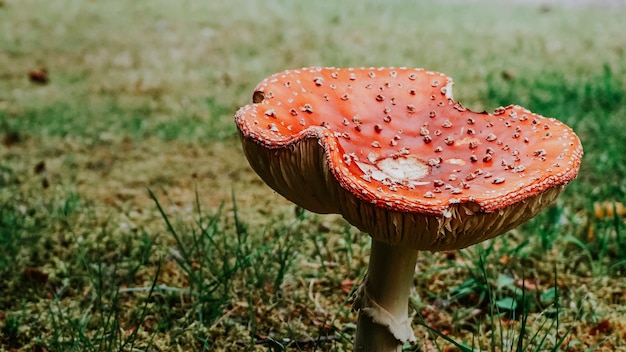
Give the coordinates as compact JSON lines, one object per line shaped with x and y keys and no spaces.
{"x":383,"y":299}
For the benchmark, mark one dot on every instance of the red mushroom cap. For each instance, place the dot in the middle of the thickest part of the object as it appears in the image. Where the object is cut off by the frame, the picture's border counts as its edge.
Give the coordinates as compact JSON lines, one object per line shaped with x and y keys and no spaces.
{"x":390,"y":150}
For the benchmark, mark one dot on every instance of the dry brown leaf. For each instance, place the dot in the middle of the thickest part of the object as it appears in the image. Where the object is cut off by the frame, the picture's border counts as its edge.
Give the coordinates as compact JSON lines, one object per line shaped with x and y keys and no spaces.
{"x":347,"y":284}
{"x":603,"y":327}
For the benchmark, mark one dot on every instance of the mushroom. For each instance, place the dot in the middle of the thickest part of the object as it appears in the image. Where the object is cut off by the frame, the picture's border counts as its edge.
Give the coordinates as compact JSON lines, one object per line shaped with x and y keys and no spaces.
{"x":393,"y":153}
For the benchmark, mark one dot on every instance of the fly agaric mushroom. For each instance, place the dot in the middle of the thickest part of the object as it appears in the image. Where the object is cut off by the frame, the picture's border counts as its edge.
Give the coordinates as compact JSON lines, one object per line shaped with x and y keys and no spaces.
{"x":393,"y":153}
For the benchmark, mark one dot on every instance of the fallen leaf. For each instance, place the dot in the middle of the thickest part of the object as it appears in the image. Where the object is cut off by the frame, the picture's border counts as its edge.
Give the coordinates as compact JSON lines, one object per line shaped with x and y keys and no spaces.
{"x":130,"y":330}
{"x":602,"y":327}
{"x":35,"y":275}
{"x":347,"y":284}
{"x":608,"y":210}
{"x":591,"y":234}
{"x":526,"y":284}
{"x":39,"y":75}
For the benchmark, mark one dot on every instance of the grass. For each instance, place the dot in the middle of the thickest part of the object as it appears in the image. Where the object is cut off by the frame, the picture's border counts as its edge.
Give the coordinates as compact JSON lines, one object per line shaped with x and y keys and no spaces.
{"x":130,"y":220}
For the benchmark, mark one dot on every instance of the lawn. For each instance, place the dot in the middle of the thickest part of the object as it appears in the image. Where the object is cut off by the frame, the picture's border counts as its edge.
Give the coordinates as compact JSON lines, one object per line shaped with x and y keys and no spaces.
{"x":131,"y":220}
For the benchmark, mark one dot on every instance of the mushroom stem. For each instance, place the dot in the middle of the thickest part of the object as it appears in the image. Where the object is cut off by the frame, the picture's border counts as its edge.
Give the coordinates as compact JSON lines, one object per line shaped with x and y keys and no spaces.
{"x":382,"y":299}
